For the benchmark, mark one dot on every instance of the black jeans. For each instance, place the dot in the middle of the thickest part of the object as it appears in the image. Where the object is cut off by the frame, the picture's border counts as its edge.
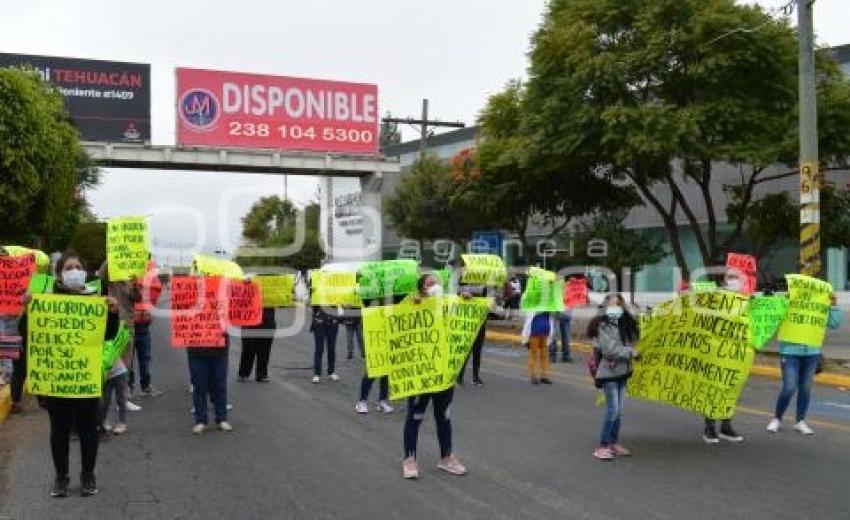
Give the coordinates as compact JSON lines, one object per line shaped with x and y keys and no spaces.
{"x":366,"y":386}
{"x":258,"y":348}
{"x":477,"y":346}
{"x":416,"y":408}
{"x":81,"y":415}
{"x":19,"y":375}
{"x":324,"y":332}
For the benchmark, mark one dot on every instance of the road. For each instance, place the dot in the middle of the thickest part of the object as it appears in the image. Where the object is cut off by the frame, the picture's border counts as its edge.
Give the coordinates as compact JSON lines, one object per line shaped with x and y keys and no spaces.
{"x":300,"y":451}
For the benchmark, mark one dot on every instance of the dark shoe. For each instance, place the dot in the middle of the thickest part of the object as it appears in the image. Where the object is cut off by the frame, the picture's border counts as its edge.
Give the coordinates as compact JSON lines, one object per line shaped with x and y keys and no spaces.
{"x":349,"y":356}
{"x":60,"y":487}
{"x":727,"y":433}
{"x":262,"y":380}
{"x":535,"y":381}
{"x":242,"y":379}
{"x":546,"y":381}
{"x":710,"y":435}
{"x":478,"y":382}
{"x":88,"y":485}
{"x":15,"y":409}
{"x":567,"y":360}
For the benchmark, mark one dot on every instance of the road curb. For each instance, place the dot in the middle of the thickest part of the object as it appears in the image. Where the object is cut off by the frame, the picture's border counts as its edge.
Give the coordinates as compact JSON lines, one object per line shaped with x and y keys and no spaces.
{"x":836,"y":380}
{"x":5,"y":402}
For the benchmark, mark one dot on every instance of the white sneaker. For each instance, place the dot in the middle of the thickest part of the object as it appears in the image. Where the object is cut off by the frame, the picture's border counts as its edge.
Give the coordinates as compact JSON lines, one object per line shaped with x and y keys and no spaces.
{"x":229,"y":407}
{"x":107,"y":427}
{"x":774,"y":425}
{"x":120,"y":429}
{"x":333,"y":377}
{"x":385,"y":407}
{"x":133,"y":407}
{"x":316,"y":380}
{"x":803,"y":428}
{"x":199,"y":428}
{"x":361,"y":407}
{"x":225,"y":426}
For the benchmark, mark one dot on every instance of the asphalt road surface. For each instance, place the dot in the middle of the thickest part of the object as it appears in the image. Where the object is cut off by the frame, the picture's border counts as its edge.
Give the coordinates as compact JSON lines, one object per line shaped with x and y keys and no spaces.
{"x":300,"y":451}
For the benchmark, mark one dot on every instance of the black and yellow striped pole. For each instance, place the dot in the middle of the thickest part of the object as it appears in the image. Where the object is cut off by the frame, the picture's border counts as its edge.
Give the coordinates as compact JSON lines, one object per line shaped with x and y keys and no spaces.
{"x":810,"y":179}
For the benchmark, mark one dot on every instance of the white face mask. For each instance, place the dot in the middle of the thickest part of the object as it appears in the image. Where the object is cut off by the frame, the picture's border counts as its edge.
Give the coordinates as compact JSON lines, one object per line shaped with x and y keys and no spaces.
{"x":74,"y":279}
{"x":614,"y":312}
{"x":434,"y":290}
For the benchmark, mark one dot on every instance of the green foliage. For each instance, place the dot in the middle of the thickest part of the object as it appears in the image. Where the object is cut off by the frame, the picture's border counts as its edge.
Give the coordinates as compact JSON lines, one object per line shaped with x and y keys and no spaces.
{"x":89,"y":241}
{"x":42,"y":168}
{"x":276,"y":222}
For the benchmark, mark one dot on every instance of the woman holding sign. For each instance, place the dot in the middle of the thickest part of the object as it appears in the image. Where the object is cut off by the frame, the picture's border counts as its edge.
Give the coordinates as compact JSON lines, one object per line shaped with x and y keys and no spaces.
{"x":613,"y":335}
{"x":799,"y":364}
{"x":417,"y":405}
{"x":67,"y":413}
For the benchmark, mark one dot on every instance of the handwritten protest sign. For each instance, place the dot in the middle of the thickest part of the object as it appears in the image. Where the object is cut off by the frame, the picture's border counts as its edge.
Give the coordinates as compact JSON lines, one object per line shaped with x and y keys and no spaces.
{"x":114,"y":348}
{"x":376,"y":322}
{"x":695,"y":354}
{"x":42,"y":261}
{"x":65,"y":345}
{"x":704,"y":286}
{"x":208,"y":266}
{"x":329,"y":288}
{"x":278,"y":290}
{"x":542,"y":296}
{"x":197,"y":315}
{"x":575,"y":293}
{"x":127,"y":249}
{"x":543,"y":274}
{"x":15,"y":275}
{"x":418,"y":352}
{"x":387,"y":278}
{"x":745,"y":265}
{"x":463,"y":318}
{"x":244,"y":303}
{"x":766,"y":313}
{"x":808,"y":311}
{"x":483,"y":270}
{"x":41,"y":284}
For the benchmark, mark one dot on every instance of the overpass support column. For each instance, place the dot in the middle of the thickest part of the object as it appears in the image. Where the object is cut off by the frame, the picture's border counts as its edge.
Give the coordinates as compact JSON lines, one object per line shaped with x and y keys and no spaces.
{"x":371,"y":209}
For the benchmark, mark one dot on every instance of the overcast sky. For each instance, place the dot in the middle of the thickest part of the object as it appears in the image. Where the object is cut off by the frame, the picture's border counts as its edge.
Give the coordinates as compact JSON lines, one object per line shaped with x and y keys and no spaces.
{"x":454,"y":52}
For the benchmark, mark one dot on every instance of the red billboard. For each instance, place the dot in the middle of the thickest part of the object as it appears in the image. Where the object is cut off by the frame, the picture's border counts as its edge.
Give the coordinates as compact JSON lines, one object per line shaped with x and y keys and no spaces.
{"x":235,"y":109}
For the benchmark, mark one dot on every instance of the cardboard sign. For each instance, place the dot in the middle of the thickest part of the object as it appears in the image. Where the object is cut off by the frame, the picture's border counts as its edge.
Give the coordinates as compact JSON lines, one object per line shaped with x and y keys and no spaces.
{"x":114,"y":348}
{"x":704,"y":286}
{"x":197,"y":315}
{"x":766,"y":313}
{"x":377,"y":280}
{"x":328,"y":288}
{"x":575,"y":293}
{"x":486,"y":270}
{"x":745,"y":265}
{"x":542,"y":296}
{"x":41,"y":284}
{"x":127,"y":250}
{"x":695,"y":354}
{"x":244,"y":303}
{"x":65,"y":345}
{"x":418,"y":353}
{"x":808,"y":311}
{"x":376,"y":323}
{"x":543,"y":274}
{"x":463,"y":318}
{"x":209,"y":266}
{"x":278,"y":290}
{"x":42,"y":261}
{"x":15,"y":275}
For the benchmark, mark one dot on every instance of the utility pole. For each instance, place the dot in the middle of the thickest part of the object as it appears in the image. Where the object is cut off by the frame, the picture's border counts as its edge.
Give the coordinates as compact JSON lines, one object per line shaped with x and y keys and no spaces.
{"x":810,"y":178}
{"x":424,"y":124}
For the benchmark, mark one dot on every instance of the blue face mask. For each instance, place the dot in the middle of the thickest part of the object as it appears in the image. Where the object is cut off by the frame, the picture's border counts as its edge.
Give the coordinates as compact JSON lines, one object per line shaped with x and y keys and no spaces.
{"x":614,"y":312}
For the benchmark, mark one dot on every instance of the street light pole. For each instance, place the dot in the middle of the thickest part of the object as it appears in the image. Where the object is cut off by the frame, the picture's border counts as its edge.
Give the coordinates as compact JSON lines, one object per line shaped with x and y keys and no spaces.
{"x":810,"y":179}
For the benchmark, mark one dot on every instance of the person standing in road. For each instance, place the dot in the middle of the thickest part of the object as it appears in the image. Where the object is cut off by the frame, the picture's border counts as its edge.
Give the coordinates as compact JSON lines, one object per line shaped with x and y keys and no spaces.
{"x":429,"y":286}
{"x":799,"y":365}
{"x":325,"y":328}
{"x":564,"y":320}
{"x":149,"y":289}
{"x":127,"y":294}
{"x":613,"y":335}
{"x":353,"y":333}
{"x":208,"y":370}
{"x":257,"y":345}
{"x":538,"y":333}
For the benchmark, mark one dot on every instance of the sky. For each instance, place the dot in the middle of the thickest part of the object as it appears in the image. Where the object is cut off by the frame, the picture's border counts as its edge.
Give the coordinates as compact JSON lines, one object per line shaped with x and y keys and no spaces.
{"x":453,"y":52}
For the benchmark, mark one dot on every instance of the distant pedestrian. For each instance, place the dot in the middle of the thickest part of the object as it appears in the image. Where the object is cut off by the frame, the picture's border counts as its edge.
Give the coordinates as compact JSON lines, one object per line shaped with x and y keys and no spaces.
{"x":799,"y":364}
{"x":613,"y":335}
{"x":149,"y":289}
{"x":257,"y":346}
{"x":417,"y":405}
{"x":538,"y":333}
{"x":564,"y":321}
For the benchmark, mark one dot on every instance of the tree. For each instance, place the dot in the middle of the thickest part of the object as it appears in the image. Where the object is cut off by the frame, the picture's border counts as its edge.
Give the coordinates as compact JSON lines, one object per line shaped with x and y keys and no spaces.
{"x":665,"y":92}
{"x":43,"y":170}
{"x":271,"y":224}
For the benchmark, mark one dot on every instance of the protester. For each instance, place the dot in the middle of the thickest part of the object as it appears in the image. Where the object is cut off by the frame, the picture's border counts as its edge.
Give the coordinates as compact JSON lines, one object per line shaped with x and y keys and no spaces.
{"x":10,"y":337}
{"x":66,"y":414}
{"x":564,"y":320}
{"x":727,"y":431}
{"x":149,"y":289}
{"x":513,"y":295}
{"x":799,"y":364}
{"x":127,"y":294}
{"x":537,"y":333}
{"x":468,"y":291}
{"x":428,"y":285}
{"x":613,"y":335}
{"x":362,"y":406}
{"x":354,"y":334}
{"x":116,"y":383}
{"x":325,"y":328}
{"x":208,"y":371}
{"x":257,"y":345}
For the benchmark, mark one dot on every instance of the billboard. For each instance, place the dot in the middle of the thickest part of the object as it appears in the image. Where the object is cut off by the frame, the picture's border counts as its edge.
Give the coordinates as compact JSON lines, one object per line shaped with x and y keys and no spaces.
{"x":106,"y":100}
{"x":234,"y":109}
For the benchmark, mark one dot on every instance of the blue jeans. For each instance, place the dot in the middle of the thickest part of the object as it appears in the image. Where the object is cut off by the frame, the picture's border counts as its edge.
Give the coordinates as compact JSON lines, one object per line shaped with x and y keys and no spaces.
{"x":209,"y":374}
{"x":354,"y":335}
{"x":798,"y":374}
{"x":142,"y":343}
{"x":564,"y":322}
{"x":614,"y":391}
{"x":324,"y":333}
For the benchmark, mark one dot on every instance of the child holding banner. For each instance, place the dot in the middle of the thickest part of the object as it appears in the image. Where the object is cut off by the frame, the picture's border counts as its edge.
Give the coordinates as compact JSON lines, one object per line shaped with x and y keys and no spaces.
{"x":613,"y":335}
{"x":801,"y":352}
{"x":67,"y":413}
{"x":417,"y":405}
